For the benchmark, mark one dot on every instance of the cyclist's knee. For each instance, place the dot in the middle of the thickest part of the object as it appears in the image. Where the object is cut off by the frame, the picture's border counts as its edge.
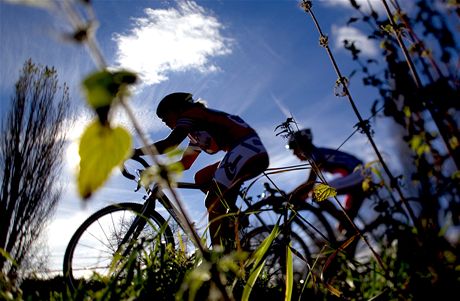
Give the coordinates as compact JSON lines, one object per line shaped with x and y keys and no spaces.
{"x":353,"y":204}
{"x":254,"y":166}
{"x":204,"y":176}
{"x":259,"y":163}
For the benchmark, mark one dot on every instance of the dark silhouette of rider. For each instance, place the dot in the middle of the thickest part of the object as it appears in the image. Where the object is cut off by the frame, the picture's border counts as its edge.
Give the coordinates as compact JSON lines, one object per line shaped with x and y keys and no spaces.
{"x":347,"y":166}
{"x":212,"y":131}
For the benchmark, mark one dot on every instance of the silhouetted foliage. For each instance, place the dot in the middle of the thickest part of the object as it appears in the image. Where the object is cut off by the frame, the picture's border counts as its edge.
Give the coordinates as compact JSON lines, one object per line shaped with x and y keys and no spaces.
{"x":421,"y":93}
{"x":31,"y":148}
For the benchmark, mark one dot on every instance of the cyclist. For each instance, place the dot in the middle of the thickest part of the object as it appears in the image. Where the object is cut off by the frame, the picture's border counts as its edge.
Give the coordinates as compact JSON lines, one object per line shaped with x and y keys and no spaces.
{"x":349,"y":182}
{"x":211,"y":131}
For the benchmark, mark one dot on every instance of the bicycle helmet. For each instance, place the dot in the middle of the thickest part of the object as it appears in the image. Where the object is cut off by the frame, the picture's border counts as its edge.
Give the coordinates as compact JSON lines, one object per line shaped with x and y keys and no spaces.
{"x":303,"y":138}
{"x":173,"y":101}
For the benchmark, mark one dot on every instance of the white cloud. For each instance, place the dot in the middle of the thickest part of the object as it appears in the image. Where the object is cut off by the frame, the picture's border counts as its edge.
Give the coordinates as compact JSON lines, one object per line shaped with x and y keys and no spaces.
{"x":174,"y":39}
{"x":362,"y":42}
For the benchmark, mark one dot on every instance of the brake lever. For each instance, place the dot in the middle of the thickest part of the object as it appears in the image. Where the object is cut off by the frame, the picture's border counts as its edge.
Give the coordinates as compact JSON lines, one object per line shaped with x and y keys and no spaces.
{"x":141,"y":161}
{"x":126,"y":174}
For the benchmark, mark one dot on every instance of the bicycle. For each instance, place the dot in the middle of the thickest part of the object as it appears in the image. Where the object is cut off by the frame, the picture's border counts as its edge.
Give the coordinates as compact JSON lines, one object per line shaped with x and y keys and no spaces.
{"x":113,"y":233}
{"x":117,"y":230}
{"x":323,"y":241}
{"x":302,"y":226}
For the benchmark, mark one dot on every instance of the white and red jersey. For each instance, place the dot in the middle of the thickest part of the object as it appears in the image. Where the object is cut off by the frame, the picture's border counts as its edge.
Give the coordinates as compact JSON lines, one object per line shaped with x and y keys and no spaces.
{"x":213,"y":130}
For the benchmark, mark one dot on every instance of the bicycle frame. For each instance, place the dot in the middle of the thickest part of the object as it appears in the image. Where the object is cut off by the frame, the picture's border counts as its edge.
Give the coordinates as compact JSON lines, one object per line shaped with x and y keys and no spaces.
{"x":139,"y":222}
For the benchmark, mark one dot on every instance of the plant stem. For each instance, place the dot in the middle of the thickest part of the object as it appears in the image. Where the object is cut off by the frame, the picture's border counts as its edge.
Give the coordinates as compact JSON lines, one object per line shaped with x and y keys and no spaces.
{"x":436,"y":118}
{"x":393,"y":181}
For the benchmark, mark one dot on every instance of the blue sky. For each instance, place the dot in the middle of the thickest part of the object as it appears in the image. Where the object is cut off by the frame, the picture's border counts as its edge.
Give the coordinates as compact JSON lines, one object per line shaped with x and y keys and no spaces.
{"x":258,"y":59}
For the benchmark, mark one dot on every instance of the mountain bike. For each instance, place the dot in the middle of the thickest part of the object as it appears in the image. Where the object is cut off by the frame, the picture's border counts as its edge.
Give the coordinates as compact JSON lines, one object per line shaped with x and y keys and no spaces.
{"x":303,"y":228}
{"x":108,"y":238}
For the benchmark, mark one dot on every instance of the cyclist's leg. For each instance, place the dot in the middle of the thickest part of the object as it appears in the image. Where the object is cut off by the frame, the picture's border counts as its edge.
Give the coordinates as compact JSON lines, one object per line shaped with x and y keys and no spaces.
{"x":354,"y":201}
{"x":204,"y":176}
{"x":220,"y":202}
{"x":351,"y":187}
{"x":243,"y":162}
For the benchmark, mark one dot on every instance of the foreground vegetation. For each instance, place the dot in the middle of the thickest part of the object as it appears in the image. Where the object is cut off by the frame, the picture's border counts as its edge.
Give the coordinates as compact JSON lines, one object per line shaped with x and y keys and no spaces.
{"x":413,"y":273}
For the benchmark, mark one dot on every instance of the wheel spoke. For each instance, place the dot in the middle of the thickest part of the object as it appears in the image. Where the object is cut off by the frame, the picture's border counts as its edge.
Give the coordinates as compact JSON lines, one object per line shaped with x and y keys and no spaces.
{"x":94,"y":245}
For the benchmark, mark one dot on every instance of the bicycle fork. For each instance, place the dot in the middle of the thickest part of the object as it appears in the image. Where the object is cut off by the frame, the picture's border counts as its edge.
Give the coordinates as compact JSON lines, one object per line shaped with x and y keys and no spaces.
{"x":127,"y":242}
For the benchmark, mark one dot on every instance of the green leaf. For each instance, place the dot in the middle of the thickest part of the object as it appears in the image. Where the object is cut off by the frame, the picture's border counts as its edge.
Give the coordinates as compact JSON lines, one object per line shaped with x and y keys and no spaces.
{"x":101,"y":150}
{"x":197,"y":277}
{"x":100,"y":89}
{"x":322,"y":192}
{"x":251,"y":281}
{"x":454,"y":143}
{"x":366,"y":185}
{"x":289,"y":273}
{"x":407,"y":111}
{"x":103,"y":86}
{"x":257,"y":258}
{"x":419,"y":145}
{"x":8,"y":257}
{"x":231,"y":262}
{"x":259,"y":254}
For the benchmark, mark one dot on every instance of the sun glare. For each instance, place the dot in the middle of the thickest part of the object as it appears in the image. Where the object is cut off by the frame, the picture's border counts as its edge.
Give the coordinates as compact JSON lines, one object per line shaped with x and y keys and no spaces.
{"x":72,"y":157}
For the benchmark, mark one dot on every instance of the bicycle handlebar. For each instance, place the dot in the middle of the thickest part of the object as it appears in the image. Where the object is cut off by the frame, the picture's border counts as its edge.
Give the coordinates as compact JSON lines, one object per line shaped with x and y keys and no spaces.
{"x":145,"y":164}
{"x":129,"y":175}
{"x":141,"y":161}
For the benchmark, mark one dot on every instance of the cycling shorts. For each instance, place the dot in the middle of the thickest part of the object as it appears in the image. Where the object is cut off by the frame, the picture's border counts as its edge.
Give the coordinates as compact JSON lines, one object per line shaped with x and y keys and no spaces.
{"x":228,"y":171}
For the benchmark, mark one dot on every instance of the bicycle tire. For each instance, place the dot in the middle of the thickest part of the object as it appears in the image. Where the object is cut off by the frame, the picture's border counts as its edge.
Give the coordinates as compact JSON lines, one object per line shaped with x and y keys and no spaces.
{"x":98,"y":237}
{"x":316,"y":228}
{"x":275,"y":258}
{"x":309,"y":222}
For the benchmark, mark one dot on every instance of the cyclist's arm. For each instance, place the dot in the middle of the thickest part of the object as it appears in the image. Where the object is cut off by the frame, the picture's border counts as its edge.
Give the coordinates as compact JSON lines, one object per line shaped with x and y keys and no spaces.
{"x":176,"y":136}
{"x":303,"y":190}
{"x":189,"y":156}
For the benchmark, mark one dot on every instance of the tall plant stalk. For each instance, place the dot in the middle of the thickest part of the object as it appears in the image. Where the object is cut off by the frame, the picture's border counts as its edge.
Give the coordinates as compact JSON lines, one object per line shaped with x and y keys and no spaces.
{"x":323,"y":40}
{"x":418,"y":84}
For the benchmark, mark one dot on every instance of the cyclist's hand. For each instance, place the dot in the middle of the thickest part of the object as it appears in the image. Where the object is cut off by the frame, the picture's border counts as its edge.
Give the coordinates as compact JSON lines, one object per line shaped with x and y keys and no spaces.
{"x":300,"y":194}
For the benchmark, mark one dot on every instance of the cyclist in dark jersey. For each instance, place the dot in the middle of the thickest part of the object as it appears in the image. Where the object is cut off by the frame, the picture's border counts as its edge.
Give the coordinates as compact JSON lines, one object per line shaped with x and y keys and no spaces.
{"x":212,"y":131}
{"x":349,"y":183}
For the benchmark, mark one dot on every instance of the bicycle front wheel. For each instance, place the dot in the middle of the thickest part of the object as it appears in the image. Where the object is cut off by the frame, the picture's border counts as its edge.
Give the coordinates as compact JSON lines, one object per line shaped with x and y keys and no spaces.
{"x":96,"y":244}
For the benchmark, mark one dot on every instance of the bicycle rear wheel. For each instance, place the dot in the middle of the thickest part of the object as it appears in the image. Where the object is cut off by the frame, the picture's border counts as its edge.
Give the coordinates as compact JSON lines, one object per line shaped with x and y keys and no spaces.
{"x":314,"y":228}
{"x":275,"y":258}
{"x":96,"y":244}
{"x":307,"y":222}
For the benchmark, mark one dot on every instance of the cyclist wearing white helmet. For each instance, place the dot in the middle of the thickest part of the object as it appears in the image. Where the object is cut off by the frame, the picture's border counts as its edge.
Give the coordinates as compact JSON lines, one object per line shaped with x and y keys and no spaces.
{"x":331,"y":161}
{"x":211,"y":131}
